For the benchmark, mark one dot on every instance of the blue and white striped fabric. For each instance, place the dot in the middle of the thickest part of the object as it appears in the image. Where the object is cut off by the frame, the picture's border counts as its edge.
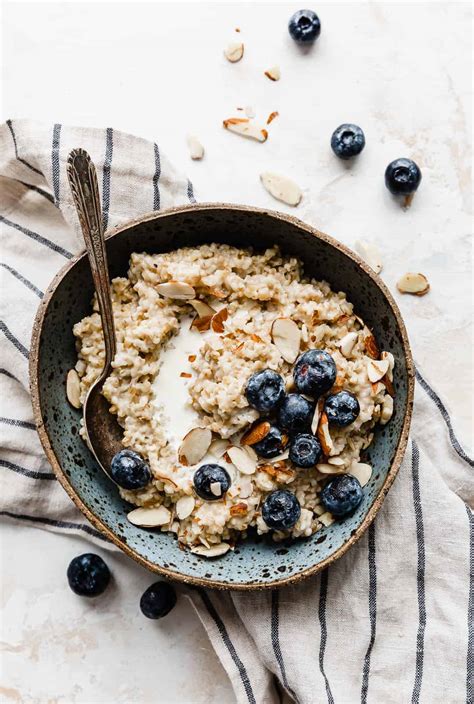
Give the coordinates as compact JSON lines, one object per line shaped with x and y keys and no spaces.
{"x":392,"y":621}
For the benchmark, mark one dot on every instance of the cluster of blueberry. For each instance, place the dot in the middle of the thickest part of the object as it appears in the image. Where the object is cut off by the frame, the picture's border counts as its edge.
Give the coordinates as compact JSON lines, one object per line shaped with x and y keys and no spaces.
{"x":402,"y":176}
{"x":88,"y":575}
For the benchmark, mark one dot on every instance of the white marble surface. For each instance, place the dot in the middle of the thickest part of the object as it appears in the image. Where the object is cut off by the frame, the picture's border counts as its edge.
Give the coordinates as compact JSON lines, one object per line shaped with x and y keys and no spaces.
{"x":399,"y":70}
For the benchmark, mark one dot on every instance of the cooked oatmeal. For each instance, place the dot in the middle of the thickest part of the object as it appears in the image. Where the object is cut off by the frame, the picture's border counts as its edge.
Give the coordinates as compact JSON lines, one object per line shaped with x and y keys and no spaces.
{"x":236,"y":295}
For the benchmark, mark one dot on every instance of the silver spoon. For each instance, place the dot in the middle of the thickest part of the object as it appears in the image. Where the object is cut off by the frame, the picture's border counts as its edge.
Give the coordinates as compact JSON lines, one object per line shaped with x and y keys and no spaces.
{"x":103,"y":433}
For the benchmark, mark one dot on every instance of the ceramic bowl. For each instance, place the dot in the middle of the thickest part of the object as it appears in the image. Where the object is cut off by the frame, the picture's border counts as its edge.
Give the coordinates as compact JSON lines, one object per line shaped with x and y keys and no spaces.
{"x":255,"y":563}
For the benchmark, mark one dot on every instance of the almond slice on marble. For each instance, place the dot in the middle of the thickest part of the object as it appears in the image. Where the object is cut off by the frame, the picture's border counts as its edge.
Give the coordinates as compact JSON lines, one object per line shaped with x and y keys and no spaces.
{"x":361,"y":471}
{"x":273,"y":73}
{"x":196,"y":150}
{"x":214,"y":551}
{"x":256,"y":433}
{"x":327,"y":519}
{"x":376,"y":369}
{"x":234,"y":52}
{"x":371,"y":346}
{"x":326,"y":468}
{"x":243,"y":126}
{"x":218,"y":447}
{"x":416,"y":284}
{"x":73,"y":388}
{"x":194,"y":446}
{"x":324,"y":435}
{"x":317,"y":414}
{"x":281,"y":188}
{"x":185,"y":506}
{"x":149,"y":517}
{"x":387,"y":409}
{"x":370,"y":254}
{"x":286,"y":337}
{"x":242,"y":460}
{"x":176,"y":289}
{"x":347,"y":343}
{"x":217,"y":322}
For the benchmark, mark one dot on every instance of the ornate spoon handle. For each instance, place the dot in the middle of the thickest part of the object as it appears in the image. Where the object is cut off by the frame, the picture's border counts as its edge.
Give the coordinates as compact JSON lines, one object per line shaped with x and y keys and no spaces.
{"x":85,"y":192}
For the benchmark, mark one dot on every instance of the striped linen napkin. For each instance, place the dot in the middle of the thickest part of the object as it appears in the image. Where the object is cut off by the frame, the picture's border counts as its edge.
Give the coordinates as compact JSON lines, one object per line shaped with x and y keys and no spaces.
{"x":392,"y":621}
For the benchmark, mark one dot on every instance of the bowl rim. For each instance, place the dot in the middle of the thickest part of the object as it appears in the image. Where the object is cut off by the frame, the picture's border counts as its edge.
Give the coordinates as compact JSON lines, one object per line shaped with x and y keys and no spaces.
{"x":97,"y":522}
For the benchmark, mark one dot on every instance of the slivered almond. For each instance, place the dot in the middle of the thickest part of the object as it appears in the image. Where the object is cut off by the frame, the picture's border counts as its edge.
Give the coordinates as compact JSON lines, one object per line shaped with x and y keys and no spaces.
{"x":73,"y":388}
{"x":243,"y":126}
{"x":196,"y":150}
{"x":239,"y":509}
{"x":191,"y":358}
{"x":273,"y":73}
{"x":347,"y":343}
{"x":218,"y":447}
{"x":361,"y":471}
{"x":286,"y":337}
{"x":324,"y":435}
{"x":370,"y":254}
{"x":376,"y":369}
{"x":201,"y":308}
{"x":202,"y":324}
{"x":317,"y":414}
{"x":185,"y":506}
{"x":371,"y":346}
{"x":416,"y":284}
{"x":149,"y":517}
{"x":186,"y":375}
{"x":272,"y":116}
{"x":281,"y":188}
{"x":326,"y":468}
{"x":387,"y":409}
{"x":234,"y":52}
{"x":214,"y":551}
{"x":242,"y":460}
{"x":216,"y":488}
{"x":176,"y":289}
{"x":217,"y":321}
{"x":256,"y":433}
{"x":194,"y":446}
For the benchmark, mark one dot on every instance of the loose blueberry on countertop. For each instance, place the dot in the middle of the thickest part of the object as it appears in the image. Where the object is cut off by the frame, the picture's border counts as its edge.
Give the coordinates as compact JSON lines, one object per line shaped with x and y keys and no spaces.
{"x":158,"y":600}
{"x":305,"y":450}
{"x":402,"y":177}
{"x":129,"y":470}
{"x":88,"y":575}
{"x":281,"y":510}
{"x":271,"y":445}
{"x":347,"y":141}
{"x":314,"y":372}
{"x":342,"y":408}
{"x":304,"y":26}
{"x":211,"y":481}
{"x":341,"y":495}
{"x":265,"y":390}
{"x":295,"y":413}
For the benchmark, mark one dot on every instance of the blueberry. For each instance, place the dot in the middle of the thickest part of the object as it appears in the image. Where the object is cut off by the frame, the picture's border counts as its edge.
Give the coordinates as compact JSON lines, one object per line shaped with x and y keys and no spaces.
{"x":347,"y":141}
{"x":402,"y":177}
{"x":314,"y":372}
{"x":158,"y":600}
{"x":281,"y":510}
{"x":129,"y":470}
{"x":271,"y":445}
{"x":342,"y":408}
{"x":295,"y":413}
{"x":88,"y":575}
{"x":265,"y":390}
{"x":341,"y":495}
{"x":304,"y":26}
{"x":305,"y":450}
{"x":206,"y":476}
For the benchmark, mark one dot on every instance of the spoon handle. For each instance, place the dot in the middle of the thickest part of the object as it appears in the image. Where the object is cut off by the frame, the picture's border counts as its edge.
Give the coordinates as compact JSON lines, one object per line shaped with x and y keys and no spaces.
{"x":85,"y":192}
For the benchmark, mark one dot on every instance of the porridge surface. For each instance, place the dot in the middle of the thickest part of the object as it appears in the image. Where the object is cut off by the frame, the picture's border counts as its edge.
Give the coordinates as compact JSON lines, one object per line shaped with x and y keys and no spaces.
{"x":168,"y":378}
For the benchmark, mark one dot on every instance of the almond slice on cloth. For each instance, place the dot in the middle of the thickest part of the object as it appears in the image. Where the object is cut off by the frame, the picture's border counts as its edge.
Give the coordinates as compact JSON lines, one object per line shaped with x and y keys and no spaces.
{"x":361,"y":471}
{"x":149,"y":517}
{"x":370,"y":254}
{"x":346,"y":345}
{"x":194,"y":446}
{"x":317,"y":414}
{"x":281,"y":188}
{"x":242,"y":460}
{"x":255,"y":433}
{"x":376,"y":369}
{"x":234,"y":52}
{"x":243,"y":126}
{"x":201,"y":308}
{"x":416,"y":284}
{"x":185,"y":506}
{"x":273,"y":73}
{"x":286,"y":337}
{"x":73,"y":388}
{"x":324,"y":435}
{"x":176,"y":289}
{"x":214,"y":551}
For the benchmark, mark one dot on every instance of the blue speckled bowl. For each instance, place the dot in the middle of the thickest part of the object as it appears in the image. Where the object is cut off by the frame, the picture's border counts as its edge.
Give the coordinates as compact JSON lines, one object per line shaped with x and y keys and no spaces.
{"x":256,"y":563}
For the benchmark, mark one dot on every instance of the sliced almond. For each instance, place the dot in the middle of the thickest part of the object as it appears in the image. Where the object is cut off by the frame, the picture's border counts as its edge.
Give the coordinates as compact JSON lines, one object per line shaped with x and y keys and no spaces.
{"x":347,"y":343}
{"x":281,"y":458}
{"x":388,"y":384}
{"x":326,"y":468}
{"x":370,"y":254}
{"x":196,"y":150}
{"x":324,"y":435}
{"x":234,"y":52}
{"x":251,"y":453}
{"x":376,"y":369}
{"x":371,"y":346}
{"x":242,"y":460}
{"x":361,"y":471}
{"x":239,"y":509}
{"x":202,"y":324}
{"x":185,"y":506}
{"x":416,"y":284}
{"x":256,"y":433}
{"x":194,"y":446}
{"x":336,"y":461}
{"x":245,"y":128}
{"x":272,"y":116}
{"x":281,"y":188}
{"x":387,"y":409}
{"x":149,"y":517}
{"x":217,"y":322}
{"x":286,"y":337}
{"x":216,"y":488}
{"x":218,"y":447}
{"x":327,"y":519}
{"x":73,"y":388}
{"x":176,"y":289}
{"x":214,"y":551}
{"x":391,"y":363}
{"x":273,"y":73}
{"x":317,"y":414}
